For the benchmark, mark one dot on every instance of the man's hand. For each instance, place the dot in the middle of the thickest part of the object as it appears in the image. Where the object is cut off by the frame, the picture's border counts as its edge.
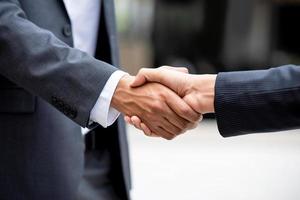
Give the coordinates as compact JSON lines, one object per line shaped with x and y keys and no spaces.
{"x":160,"y":109}
{"x":196,"y":90}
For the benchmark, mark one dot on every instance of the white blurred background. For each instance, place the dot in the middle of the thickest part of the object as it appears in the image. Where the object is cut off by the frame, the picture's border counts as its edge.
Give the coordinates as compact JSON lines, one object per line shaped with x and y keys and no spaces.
{"x":202,"y":165}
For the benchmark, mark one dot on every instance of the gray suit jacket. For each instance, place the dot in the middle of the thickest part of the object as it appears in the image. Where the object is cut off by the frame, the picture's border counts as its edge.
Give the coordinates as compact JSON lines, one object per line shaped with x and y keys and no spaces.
{"x":258,"y":101}
{"x":47,"y":89}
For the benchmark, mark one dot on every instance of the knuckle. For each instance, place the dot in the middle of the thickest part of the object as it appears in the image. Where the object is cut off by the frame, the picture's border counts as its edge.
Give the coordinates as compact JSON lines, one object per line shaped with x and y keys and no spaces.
{"x":170,"y":138}
{"x":191,"y":126}
{"x":197,"y":118}
{"x":181,"y":132}
{"x":155,"y":130}
{"x":157,"y":106}
{"x":201,"y":118}
{"x":194,"y":116}
{"x":195,"y":125}
{"x":185,"y":69}
{"x":147,"y":134}
{"x":141,"y":71}
{"x":185,"y":125}
{"x":161,"y":94}
{"x":177,"y":131}
{"x":181,"y":123}
{"x":186,"y":111}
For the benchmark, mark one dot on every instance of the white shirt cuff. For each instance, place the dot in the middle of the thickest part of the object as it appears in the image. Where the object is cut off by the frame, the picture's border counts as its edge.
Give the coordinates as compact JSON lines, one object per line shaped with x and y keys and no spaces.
{"x":102,"y":112}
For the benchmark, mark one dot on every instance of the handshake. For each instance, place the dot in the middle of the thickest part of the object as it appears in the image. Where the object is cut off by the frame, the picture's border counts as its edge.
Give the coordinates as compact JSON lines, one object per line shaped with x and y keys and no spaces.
{"x":165,"y":102}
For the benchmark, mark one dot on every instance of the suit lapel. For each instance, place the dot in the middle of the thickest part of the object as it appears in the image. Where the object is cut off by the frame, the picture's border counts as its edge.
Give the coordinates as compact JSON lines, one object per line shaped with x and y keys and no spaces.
{"x":110,"y":22}
{"x":106,"y":30}
{"x":62,"y":4}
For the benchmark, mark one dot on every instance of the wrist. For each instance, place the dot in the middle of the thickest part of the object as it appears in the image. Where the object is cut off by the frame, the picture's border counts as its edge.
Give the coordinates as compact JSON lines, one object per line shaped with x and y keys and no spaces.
{"x":206,"y":92}
{"x":118,"y":96}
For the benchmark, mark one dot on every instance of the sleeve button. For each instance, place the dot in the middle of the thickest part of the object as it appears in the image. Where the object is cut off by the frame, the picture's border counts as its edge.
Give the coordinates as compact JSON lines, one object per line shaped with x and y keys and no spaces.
{"x":67,"y":30}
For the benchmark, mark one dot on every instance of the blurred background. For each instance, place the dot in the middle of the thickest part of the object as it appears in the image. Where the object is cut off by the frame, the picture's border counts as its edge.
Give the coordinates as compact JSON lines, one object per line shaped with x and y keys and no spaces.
{"x":209,"y":36}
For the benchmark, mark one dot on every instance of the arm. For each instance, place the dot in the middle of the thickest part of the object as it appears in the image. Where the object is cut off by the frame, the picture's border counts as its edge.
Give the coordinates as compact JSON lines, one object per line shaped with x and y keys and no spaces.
{"x":35,"y":59}
{"x":258,"y":101}
{"x":244,"y":102}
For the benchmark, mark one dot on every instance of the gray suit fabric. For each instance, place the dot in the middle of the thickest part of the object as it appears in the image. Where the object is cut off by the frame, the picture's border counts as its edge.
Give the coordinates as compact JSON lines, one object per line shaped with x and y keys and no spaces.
{"x":47,"y":89}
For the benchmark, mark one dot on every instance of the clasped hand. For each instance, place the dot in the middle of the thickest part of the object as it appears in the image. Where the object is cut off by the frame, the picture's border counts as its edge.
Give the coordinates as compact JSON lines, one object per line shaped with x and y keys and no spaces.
{"x":163,"y":102}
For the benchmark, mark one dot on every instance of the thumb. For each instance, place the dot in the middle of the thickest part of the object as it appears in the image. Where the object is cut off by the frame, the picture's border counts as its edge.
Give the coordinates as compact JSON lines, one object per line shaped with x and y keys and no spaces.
{"x":139,"y":80}
{"x":146,"y":75}
{"x":179,"y":69}
{"x":156,"y":75}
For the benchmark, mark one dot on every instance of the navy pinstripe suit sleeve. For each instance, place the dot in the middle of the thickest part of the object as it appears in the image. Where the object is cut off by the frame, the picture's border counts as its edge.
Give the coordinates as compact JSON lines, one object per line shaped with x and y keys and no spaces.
{"x":258,"y":101}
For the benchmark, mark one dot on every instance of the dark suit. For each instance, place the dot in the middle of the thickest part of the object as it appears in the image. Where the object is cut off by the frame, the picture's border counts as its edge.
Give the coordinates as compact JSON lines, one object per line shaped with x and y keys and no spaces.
{"x":258,"y":101}
{"x":47,"y":89}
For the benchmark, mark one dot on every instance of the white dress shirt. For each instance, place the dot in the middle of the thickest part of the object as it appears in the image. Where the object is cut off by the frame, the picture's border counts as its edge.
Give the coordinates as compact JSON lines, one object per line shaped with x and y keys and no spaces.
{"x":85,"y":15}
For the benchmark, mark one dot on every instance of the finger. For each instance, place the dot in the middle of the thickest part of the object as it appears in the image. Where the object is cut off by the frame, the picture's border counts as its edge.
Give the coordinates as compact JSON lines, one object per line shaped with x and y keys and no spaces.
{"x":159,"y":131}
{"x":136,"y":126}
{"x":128,"y":120}
{"x":171,"y":122}
{"x":176,"y":120}
{"x":195,"y":124}
{"x":181,"y":108}
{"x":141,"y":77}
{"x":164,"y":122}
{"x":179,"y":69}
{"x":136,"y":121}
{"x":159,"y":75}
{"x":172,"y":128}
{"x":194,"y":103}
{"x":174,"y":80}
{"x":146,"y":130}
{"x":164,"y":134}
{"x":201,"y":118}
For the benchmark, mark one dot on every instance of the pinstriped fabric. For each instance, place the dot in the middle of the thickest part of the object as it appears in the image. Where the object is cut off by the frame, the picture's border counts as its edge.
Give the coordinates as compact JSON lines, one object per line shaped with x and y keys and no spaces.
{"x":258,"y":101}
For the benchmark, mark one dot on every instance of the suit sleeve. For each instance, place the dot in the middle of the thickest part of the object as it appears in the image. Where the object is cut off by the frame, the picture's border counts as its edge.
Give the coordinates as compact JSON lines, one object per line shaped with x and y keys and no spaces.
{"x":258,"y":101}
{"x":36,"y":60}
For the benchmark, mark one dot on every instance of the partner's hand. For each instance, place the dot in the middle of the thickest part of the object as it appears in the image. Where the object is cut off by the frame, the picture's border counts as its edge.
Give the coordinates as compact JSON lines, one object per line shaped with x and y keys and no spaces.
{"x":160,"y":109}
{"x":196,"y":90}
